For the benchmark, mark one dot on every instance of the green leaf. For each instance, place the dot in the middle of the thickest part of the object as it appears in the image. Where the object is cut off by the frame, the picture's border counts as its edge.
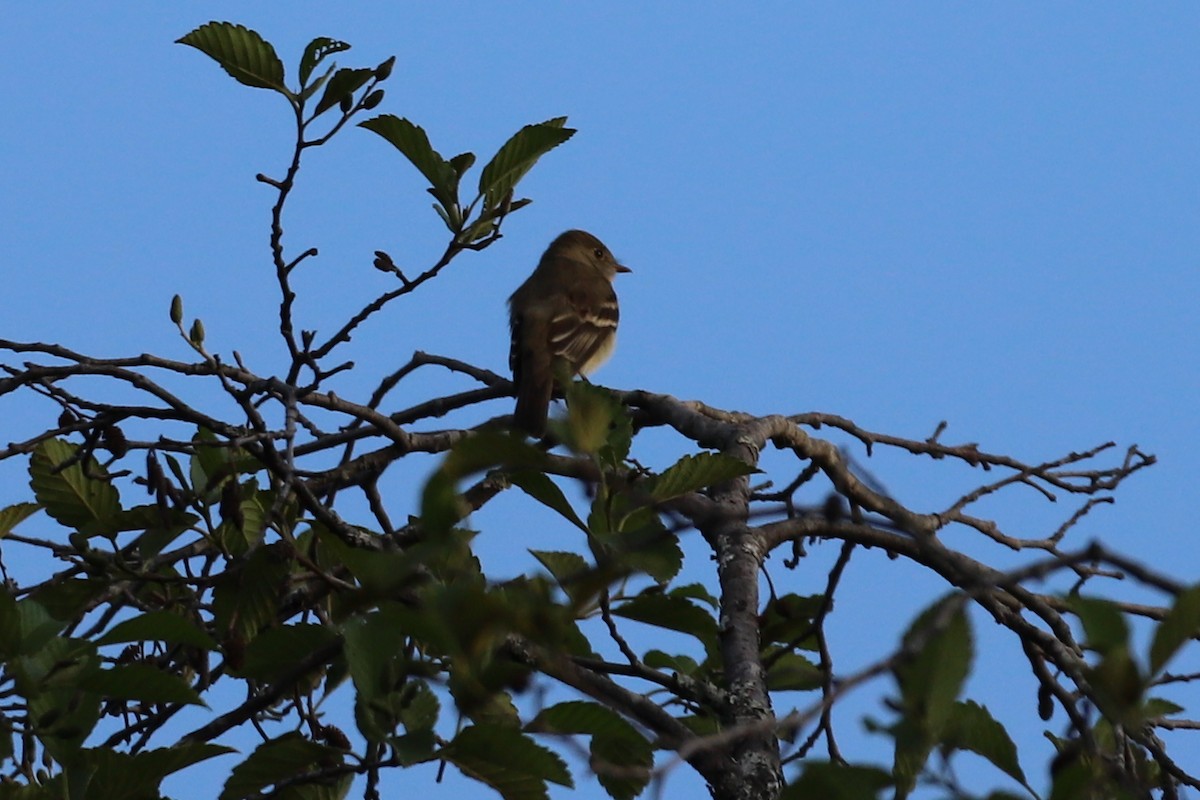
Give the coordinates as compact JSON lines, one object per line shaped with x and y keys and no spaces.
{"x":672,"y":613}
{"x":276,"y":760}
{"x":247,"y":596}
{"x":509,"y":761}
{"x":573,"y":574}
{"x":694,"y":472}
{"x":414,"y":144}
{"x":241,"y":52}
{"x":345,"y":82}
{"x":793,"y":672}
{"x":79,"y":496}
{"x":315,"y":52}
{"x":581,"y":717}
{"x":121,"y":776}
{"x":1158,"y":707}
{"x":657,"y":659}
{"x":142,"y":683}
{"x":539,"y":486}
{"x":828,"y":781}
{"x":930,"y":680}
{"x":517,"y":157}
{"x":14,"y":515}
{"x":1103,"y":624}
{"x":161,"y":626}
{"x":972,"y":727}
{"x":1181,"y":623}
{"x":275,"y":652}
{"x":623,"y":764}
{"x":592,"y":412}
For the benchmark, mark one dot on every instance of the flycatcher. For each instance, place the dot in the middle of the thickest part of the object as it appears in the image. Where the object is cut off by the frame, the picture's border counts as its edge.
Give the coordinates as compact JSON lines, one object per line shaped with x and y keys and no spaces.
{"x":564,"y":315}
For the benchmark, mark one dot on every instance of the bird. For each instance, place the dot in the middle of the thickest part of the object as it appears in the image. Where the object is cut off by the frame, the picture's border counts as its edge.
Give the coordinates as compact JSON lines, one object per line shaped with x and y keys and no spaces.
{"x":564,"y":315}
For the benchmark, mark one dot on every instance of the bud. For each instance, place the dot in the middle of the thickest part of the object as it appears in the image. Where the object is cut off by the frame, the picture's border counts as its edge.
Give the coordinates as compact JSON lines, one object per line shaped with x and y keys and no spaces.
{"x":384,"y":70}
{"x":197,"y":334}
{"x":373,"y":99}
{"x":177,"y":309}
{"x":346,"y":103}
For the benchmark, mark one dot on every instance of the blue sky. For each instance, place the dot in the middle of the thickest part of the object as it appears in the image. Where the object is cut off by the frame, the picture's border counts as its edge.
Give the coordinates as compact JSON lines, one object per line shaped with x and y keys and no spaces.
{"x":982,"y":213}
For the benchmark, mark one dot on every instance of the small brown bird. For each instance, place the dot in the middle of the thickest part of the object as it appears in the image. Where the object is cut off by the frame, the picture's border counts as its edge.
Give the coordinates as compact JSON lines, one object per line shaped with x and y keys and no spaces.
{"x":566,"y":310}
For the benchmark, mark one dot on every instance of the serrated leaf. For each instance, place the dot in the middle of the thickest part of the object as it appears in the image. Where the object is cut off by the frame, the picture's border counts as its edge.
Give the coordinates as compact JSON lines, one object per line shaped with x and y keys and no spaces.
{"x":315,"y":52}
{"x":13,"y":515}
{"x":343,"y":83}
{"x":539,"y":486}
{"x":160,"y":626}
{"x":414,"y":144}
{"x":79,"y":496}
{"x":972,"y":727}
{"x":517,"y":156}
{"x":592,"y":412}
{"x":509,"y":761}
{"x":243,"y":53}
{"x":694,"y":472}
{"x":275,"y":652}
{"x":1181,"y":623}
{"x":621,"y":756}
{"x":121,"y":776}
{"x":276,"y":760}
{"x":672,"y":613}
{"x":142,"y":683}
{"x":573,"y":574}
{"x":623,"y":764}
{"x":247,"y":597}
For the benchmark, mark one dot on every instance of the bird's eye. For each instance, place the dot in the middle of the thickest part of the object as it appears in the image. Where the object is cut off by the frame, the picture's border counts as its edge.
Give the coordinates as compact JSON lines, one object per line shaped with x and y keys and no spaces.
{"x":599,"y":253}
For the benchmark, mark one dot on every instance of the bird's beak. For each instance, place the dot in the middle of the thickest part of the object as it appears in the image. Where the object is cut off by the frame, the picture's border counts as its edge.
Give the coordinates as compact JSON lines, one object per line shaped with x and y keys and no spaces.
{"x":623,"y":268}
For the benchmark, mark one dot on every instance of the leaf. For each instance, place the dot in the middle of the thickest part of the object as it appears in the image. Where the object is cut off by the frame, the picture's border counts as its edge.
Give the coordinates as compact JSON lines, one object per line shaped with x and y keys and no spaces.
{"x":972,"y":727}
{"x":276,"y":760}
{"x":623,"y":764}
{"x":517,"y":156}
{"x":507,"y":760}
{"x":793,"y":672}
{"x":694,"y":472}
{"x":657,"y":659}
{"x":1181,"y":623}
{"x":241,"y":52}
{"x":414,"y":144}
{"x":277,"y":651}
{"x":1103,"y":624}
{"x":120,"y":776}
{"x":573,"y":574}
{"x":161,"y":626}
{"x":592,"y":412}
{"x":1158,"y":707}
{"x":539,"y":486}
{"x":828,"y":781}
{"x":246,"y":597}
{"x":14,"y":515}
{"x":315,"y":52}
{"x":345,"y":82}
{"x":621,"y":756}
{"x":142,"y":683}
{"x":79,"y":496}
{"x":672,"y":613}
{"x":581,"y":717}
{"x":930,"y":680}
